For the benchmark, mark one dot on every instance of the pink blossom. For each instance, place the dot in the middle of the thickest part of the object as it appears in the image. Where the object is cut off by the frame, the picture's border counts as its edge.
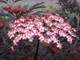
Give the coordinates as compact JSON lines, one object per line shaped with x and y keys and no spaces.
{"x":12,"y":48}
{"x":62,"y":33}
{"x":69,"y":38}
{"x":26,"y":28}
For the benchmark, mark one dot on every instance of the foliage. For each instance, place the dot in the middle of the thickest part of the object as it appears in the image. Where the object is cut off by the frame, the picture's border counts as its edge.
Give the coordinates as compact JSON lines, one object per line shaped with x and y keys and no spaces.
{"x":14,"y":12}
{"x":59,"y":41}
{"x":71,"y":9}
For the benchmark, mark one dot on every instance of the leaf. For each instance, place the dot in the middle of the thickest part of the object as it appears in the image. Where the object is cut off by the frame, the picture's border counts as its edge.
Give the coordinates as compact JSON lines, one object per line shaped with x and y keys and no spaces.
{"x":3,"y":1}
{"x":35,"y":8}
{"x":78,"y":20}
{"x":1,"y":10}
{"x":39,"y":12}
{"x":9,"y":15}
{"x":4,"y":13}
{"x":71,"y":17}
{"x":38,"y":5}
{"x":7,"y":20}
{"x":25,"y":7}
{"x":16,"y":0}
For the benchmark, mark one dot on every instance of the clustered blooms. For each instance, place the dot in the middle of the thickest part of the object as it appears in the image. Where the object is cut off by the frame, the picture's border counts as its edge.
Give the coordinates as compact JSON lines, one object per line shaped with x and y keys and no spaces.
{"x":14,"y":9}
{"x":52,"y":25}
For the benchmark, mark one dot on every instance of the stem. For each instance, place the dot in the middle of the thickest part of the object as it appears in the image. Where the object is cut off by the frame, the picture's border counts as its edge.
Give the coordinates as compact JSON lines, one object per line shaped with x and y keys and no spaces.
{"x":46,"y":52}
{"x":35,"y":58}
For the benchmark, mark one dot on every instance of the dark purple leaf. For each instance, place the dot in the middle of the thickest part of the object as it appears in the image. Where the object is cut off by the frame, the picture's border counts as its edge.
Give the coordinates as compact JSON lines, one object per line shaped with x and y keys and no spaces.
{"x":16,"y":0}
{"x":25,"y":8}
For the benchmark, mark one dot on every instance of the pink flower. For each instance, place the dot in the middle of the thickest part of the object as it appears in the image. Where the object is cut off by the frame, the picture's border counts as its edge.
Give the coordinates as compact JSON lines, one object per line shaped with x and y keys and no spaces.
{"x":62,"y":33}
{"x":26,"y":28}
{"x":69,"y":39}
{"x":12,"y":48}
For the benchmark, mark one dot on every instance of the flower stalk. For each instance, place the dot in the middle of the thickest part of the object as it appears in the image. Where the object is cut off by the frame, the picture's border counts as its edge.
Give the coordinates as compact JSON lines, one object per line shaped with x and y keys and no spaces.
{"x":46,"y":52}
{"x":35,"y":58}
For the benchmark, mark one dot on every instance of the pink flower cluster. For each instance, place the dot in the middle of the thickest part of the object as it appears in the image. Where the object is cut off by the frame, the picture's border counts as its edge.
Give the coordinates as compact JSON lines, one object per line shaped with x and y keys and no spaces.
{"x":26,"y":28}
{"x":13,"y":9}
